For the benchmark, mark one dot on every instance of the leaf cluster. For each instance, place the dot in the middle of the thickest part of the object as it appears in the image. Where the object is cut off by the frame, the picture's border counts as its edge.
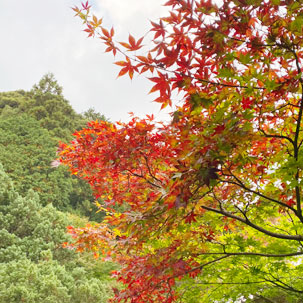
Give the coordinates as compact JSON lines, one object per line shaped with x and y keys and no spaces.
{"x":213,"y":198}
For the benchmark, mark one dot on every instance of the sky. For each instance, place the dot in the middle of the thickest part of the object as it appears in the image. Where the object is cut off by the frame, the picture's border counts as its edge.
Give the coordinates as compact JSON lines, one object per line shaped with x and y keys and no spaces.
{"x":41,"y":36}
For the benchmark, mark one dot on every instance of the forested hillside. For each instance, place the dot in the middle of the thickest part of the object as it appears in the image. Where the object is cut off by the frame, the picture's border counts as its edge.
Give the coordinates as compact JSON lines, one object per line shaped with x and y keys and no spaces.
{"x":39,"y":199}
{"x":31,"y":125}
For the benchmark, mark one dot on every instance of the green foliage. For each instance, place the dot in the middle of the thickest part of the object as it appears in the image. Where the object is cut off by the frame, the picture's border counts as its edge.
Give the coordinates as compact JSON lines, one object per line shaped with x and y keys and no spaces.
{"x":34,"y":268}
{"x":26,"y":151}
{"x":248,"y":278}
{"x":91,"y":114}
{"x":31,"y":125}
{"x":48,"y":84}
{"x":45,"y":104}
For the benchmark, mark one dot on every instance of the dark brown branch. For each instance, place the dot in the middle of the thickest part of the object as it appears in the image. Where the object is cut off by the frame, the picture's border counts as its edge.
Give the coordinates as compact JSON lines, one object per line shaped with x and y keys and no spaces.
{"x":288,"y":288}
{"x":294,"y":226}
{"x":276,"y":136}
{"x":191,"y":270}
{"x":254,"y":226}
{"x":298,"y":198}
{"x":197,"y":268}
{"x":205,"y":264}
{"x":142,"y":177}
{"x":149,"y":169}
{"x":240,"y":184}
{"x":277,"y":281}
{"x":228,"y":85}
{"x":230,"y":283}
{"x":296,"y":145}
{"x":255,"y":254}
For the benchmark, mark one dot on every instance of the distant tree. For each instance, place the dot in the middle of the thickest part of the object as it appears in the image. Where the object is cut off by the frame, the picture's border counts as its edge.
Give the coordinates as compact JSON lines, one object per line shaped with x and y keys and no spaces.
{"x":47,"y":104}
{"x":48,"y":84}
{"x":91,"y":114}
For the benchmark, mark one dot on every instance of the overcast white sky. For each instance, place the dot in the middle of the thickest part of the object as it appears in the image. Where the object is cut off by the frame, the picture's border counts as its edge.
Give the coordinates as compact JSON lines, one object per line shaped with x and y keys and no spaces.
{"x":40,"y":36}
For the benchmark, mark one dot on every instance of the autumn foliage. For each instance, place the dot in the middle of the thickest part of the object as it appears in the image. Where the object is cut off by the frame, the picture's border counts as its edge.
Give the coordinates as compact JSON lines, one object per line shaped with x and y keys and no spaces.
{"x":210,"y":196}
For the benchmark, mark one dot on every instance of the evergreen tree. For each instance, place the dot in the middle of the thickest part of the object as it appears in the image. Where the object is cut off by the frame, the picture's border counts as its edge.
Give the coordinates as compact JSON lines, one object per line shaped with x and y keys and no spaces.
{"x":46,"y":104}
{"x":34,"y":268}
{"x":26,"y":151}
{"x":92,"y":115}
{"x":31,"y":125}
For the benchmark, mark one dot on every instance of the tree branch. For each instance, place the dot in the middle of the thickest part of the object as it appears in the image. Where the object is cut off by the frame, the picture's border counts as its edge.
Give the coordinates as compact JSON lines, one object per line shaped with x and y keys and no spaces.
{"x":206,"y":264}
{"x":227,"y":85}
{"x":289,"y":288}
{"x":254,"y":226}
{"x":142,"y":177}
{"x":276,"y":136}
{"x":255,"y":254}
{"x":149,"y":169}
{"x":242,"y":185}
{"x":297,"y":133}
{"x":230,"y":283}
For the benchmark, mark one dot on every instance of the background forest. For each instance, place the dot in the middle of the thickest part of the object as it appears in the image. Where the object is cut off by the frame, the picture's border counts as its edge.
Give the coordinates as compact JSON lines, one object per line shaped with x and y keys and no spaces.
{"x":39,"y":199}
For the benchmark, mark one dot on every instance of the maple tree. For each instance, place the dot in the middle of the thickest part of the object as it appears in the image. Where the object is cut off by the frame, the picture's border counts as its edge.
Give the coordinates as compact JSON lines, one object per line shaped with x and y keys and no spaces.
{"x":214,"y":197}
